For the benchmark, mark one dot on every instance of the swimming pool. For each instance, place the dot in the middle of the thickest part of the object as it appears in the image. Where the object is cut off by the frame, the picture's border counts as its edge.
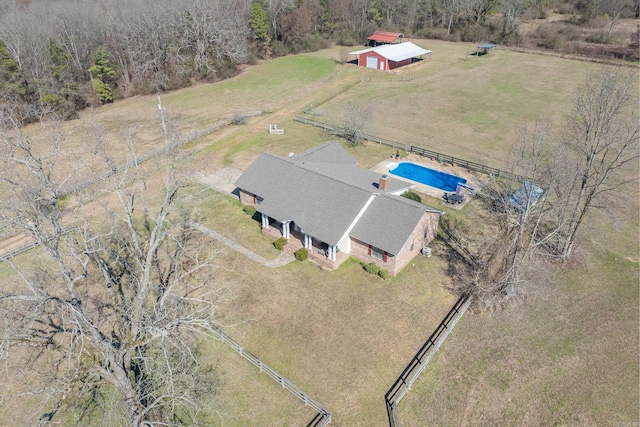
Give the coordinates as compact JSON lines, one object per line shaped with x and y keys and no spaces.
{"x":426,"y":176}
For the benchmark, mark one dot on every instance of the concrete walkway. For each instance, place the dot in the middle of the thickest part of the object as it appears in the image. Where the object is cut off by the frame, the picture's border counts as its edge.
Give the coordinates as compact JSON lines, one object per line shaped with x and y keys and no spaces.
{"x":282,"y":259}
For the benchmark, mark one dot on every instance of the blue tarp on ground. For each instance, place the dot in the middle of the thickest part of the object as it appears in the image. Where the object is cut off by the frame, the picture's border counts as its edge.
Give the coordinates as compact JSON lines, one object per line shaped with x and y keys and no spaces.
{"x":526,"y":196}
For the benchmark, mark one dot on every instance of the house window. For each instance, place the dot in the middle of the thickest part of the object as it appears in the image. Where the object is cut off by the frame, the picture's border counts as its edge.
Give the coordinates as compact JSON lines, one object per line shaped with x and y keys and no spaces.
{"x":426,"y":232}
{"x":411,"y":248}
{"x":377,"y":253}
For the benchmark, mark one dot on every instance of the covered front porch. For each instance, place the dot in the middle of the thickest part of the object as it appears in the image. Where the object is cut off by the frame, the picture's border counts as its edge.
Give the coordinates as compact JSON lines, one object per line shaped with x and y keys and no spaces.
{"x":325,"y":255}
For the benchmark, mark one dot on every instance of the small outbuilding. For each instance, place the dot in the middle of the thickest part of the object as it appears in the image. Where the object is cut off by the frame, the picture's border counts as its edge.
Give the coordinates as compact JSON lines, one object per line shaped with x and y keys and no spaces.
{"x":390,"y":56}
{"x":485,"y":48}
{"x":384,"y":37}
{"x":525,"y":197}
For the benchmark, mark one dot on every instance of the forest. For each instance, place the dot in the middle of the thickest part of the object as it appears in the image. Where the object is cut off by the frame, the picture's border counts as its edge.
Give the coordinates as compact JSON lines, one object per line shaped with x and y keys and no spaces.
{"x":66,"y":55}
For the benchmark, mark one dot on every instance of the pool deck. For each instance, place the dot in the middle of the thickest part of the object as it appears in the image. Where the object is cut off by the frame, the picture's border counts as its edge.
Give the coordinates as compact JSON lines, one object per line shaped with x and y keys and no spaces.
{"x":384,"y":166}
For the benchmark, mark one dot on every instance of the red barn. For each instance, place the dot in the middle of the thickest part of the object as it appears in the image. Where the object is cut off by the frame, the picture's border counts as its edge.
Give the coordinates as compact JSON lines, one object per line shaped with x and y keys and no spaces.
{"x":390,"y":56}
{"x":383,"y":37}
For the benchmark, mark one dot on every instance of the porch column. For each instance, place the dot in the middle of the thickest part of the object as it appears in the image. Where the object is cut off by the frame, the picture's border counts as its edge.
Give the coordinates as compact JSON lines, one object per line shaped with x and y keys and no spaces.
{"x":285,"y":230}
{"x":308,"y":241}
{"x":265,"y":221}
{"x":332,"y":253}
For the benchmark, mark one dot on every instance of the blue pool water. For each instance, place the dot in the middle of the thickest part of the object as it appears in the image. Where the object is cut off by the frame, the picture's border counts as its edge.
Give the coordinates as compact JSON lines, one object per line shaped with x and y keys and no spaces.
{"x":423,"y":175}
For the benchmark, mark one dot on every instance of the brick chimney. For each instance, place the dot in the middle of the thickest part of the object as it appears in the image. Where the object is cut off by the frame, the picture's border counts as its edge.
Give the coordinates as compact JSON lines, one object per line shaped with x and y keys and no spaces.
{"x":384,"y":183}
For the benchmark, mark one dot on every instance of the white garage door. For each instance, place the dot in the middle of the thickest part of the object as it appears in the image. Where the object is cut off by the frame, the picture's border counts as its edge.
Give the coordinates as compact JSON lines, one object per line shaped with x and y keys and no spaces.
{"x":372,"y":62}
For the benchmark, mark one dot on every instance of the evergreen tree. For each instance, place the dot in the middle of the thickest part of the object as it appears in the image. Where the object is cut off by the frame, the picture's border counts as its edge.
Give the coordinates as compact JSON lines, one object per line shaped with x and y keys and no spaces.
{"x":52,"y":93}
{"x":58,"y":60}
{"x":11,"y":78}
{"x":102,"y":74}
{"x":259,"y":23}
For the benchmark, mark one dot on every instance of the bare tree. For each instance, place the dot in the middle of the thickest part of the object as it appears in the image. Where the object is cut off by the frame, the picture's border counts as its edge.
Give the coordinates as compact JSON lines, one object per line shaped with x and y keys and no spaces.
{"x":494,"y":266}
{"x":498,"y":261}
{"x":355,"y":119}
{"x":116,"y":307}
{"x":616,"y":9}
{"x":558,"y":183}
{"x":603,"y":135}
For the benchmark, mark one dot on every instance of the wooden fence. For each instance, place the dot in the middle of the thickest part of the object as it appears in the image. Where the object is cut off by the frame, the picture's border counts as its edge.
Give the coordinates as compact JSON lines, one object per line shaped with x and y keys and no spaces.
{"x":27,"y":247}
{"x":444,"y":158}
{"x":419,"y":362}
{"x":440,"y":157}
{"x":323,"y":417}
{"x":138,"y":160}
{"x":6,"y":227}
{"x":341,"y":131}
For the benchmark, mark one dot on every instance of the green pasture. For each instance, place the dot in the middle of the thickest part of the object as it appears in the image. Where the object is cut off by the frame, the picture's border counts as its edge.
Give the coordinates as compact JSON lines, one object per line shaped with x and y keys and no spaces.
{"x":465,"y":106}
{"x":540,"y":354}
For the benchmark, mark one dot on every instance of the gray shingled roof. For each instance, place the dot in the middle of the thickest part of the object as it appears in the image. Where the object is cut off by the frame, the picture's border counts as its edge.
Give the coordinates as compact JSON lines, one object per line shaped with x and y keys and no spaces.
{"x":359,"y":177}
{"x":389,"y":221}
{"x":324,"y":198}
{"x":323,"y":207}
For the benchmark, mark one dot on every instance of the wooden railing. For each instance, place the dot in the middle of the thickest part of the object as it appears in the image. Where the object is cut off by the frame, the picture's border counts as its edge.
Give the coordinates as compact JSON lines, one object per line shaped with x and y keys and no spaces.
{"x":445,"y":158}
{"x":323,"y":417}
{"x":440,"y":157}
{"x":419,"y":362}
{"x":6,"y":227}
{"x":28,"y":246}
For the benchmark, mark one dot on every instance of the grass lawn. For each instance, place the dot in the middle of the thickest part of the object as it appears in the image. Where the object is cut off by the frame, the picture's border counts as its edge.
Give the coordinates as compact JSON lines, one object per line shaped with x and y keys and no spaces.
{"x":225,"y":215}
{"x":568,"y":357}
{"x":342,"y":336}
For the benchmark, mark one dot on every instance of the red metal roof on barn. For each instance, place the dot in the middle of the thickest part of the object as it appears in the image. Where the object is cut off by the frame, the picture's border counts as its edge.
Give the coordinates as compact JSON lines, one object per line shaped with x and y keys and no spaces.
{"x":384,"y":36}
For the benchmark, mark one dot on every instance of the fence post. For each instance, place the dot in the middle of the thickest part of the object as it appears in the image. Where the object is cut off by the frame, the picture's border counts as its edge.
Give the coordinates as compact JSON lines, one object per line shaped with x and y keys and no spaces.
{"x":392,"y":413}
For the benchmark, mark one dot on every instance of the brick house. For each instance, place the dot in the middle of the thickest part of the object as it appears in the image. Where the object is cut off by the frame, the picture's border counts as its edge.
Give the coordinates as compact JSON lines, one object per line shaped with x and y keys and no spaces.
{"x":322,"y":201}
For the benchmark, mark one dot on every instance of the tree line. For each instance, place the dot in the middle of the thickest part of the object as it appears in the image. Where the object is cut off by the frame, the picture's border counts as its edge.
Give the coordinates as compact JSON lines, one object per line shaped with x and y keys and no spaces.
{"x":63,"y":56}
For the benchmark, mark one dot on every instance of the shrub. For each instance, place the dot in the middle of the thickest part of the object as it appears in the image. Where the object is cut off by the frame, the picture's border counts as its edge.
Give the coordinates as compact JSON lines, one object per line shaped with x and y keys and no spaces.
{"x":384,"y":274}
{"x":280,"y":243}
{"x":302,"y":254}
{"x":279,"y":49}
{"x":598,"y":37}
{"x":412,"y":196}
{"x":316,"y":42}
{"x":371,"y":268}
{"x":549,"y":36}
{"x":238,"y":118}
{"x":565,"y":9}
{"x":438,"y":34}
{"x":249,"y":210}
